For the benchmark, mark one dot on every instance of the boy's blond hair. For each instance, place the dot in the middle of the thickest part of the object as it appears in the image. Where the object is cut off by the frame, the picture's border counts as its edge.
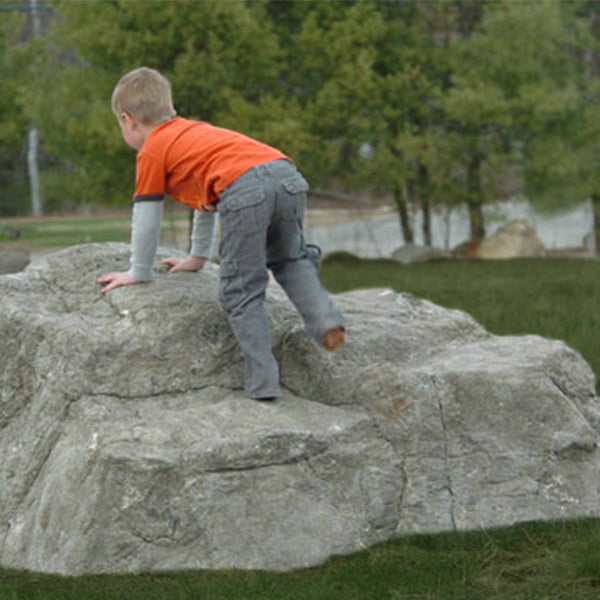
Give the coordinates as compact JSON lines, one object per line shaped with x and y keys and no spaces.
{"x":145,"y":94}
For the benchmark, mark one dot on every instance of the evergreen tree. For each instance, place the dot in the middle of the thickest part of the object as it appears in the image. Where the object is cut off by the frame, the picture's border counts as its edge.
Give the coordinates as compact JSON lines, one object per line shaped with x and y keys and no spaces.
{"x":513,"y":78}
{"x":562,"y":162}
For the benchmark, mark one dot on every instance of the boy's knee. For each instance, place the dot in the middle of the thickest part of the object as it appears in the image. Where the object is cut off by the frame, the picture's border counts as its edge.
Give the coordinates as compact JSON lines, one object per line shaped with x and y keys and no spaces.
{"x":314,"y":253}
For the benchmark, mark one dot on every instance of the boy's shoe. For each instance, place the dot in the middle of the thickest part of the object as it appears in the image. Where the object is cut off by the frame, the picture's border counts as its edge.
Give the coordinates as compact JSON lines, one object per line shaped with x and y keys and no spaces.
{"x":334,"y":338}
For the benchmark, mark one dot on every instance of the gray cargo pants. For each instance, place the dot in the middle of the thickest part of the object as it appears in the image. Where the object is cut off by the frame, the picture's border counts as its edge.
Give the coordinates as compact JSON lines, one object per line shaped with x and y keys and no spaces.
{"x":261,"y":216}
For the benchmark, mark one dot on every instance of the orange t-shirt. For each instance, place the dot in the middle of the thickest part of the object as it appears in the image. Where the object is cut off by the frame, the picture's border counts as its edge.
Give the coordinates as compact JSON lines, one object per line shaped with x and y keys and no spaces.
{"x":194,"y":161}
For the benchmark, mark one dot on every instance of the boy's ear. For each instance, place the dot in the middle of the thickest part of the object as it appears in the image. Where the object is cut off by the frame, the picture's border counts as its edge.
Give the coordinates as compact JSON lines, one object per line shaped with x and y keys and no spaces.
{"x":127,"y":119}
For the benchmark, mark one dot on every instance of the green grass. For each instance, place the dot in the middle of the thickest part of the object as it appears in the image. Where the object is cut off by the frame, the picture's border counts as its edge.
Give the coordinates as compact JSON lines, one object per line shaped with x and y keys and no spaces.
{"x":556,"y":298}
{"x":47,"y":233}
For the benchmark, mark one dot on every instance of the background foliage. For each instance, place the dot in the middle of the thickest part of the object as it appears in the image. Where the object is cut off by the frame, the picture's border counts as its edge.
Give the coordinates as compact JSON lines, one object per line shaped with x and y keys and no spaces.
{"x":433,"y":103}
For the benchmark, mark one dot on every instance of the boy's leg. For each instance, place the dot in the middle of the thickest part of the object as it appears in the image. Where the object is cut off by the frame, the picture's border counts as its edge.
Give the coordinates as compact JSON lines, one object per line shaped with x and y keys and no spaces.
{"x":244,"y":215}
{"x":299,"y":279}
{"x":294,"y":263}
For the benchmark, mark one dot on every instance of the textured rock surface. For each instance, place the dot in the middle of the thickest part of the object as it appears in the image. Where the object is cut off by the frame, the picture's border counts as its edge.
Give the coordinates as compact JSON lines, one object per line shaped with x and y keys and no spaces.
{"x":126,"y":442}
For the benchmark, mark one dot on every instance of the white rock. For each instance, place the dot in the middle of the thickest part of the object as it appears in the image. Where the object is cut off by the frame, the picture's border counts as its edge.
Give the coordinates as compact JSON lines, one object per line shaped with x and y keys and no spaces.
{"x":515,"y":239}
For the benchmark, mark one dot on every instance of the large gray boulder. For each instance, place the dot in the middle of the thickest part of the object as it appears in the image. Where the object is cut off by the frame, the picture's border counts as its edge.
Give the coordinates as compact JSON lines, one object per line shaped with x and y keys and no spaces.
{"x":126,"y":442}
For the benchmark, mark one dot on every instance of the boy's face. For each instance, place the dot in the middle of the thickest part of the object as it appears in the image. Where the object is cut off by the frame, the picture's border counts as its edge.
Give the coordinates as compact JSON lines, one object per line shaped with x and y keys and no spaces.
{"x":133,"y":132}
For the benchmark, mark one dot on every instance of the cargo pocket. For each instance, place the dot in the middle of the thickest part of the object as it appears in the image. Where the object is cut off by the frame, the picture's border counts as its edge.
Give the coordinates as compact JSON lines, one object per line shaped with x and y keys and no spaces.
{"x":244,"y":198}
{"x":295,"y":185}
{"x":293,"y":196}
{"x":231,"y":287}
{"x":244,"y":211}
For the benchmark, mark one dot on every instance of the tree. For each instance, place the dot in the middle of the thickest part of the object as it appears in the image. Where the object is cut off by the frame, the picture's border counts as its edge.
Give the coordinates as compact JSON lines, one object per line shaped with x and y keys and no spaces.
{"x":13,"y":124}
{"x":416,"y":74}
{"x":563,"y":162}
{"x":504,"y":96}
{"x":369,"y":74}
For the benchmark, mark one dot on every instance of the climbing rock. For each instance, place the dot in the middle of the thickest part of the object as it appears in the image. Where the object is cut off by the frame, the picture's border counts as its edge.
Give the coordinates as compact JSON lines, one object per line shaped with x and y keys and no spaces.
{"x":126,"y":442}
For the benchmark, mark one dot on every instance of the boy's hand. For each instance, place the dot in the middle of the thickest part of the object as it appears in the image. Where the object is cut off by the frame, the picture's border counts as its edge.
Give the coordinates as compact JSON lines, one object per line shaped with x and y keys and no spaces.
{"x":191,"y":263}
{"x":115,"y":280}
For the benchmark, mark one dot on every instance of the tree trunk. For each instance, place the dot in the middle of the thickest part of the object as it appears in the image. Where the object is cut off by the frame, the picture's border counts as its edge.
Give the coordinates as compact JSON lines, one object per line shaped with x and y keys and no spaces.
{"x":477,"y":222}
{"x":33,"y":135}
{"x":596,"y":211}
{"x":425,"y":202}
{"x":400,"y":197}
{"x":426,"y":206}
{"x":33,"y":170}
{"x":475,"y":199}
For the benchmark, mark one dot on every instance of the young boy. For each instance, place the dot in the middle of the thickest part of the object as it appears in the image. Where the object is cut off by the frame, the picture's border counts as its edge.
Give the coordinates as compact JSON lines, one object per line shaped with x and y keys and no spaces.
{"x":260,"y":198}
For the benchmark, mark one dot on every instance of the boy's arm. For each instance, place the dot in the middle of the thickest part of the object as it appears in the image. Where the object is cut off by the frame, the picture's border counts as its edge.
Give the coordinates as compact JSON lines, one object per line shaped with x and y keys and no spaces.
{"x":145,"y":231}
{"x":202,"y":233}
{"x":145,"y":234}
{"x":201,"y":244}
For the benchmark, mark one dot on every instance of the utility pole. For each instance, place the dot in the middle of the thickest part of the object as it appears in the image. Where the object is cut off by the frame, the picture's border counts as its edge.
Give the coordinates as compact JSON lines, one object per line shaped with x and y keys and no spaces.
{"x":33,"y":135}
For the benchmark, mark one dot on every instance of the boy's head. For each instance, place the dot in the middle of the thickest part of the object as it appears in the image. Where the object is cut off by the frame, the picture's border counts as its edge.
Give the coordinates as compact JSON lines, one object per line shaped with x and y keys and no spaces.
{"x":144,"y":94}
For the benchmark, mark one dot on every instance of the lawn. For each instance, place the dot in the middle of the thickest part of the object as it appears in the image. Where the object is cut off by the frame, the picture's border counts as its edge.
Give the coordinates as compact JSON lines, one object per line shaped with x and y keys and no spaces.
{"x":557,"y":298}
{"x":47,"y":233}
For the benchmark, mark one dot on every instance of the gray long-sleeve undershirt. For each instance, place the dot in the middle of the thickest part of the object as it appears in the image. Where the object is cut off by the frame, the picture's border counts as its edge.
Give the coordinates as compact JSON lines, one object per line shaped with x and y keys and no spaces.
{"x":145,"y":234}
{"x":202,"y":233}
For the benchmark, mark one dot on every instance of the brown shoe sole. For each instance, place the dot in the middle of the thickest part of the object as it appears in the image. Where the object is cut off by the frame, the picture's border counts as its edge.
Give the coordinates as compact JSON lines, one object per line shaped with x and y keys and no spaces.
{"x":334,"y":338}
